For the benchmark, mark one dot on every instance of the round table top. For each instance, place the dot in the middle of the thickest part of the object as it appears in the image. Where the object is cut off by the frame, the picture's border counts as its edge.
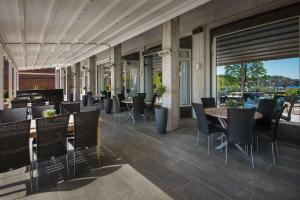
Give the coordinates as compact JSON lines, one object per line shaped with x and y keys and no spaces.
{"x":221,"y":112}
{"x":127,"y":101}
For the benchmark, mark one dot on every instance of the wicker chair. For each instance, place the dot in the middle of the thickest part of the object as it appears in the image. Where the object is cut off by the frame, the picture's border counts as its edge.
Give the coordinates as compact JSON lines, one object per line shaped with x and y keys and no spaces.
{"x":86,"y":125}
{"x":38,"y":102}
{"x":19,"y":103}
{"x":51,"y":139}
{"x":14,"y":146}
{"x":37,"y":111}
{"x":69,"y":108}
{"x":13,"y":115}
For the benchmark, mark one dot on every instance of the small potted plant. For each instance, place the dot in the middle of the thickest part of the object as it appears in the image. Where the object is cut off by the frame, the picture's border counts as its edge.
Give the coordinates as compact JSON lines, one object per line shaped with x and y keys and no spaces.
{"x":161,"y":113}
{"x":49,"y":113}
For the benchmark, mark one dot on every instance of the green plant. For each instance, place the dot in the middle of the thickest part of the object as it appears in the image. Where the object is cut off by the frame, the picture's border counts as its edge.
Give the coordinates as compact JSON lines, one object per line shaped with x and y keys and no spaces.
{"x":49,"y":113}
{"x":5,"y":94}
{"x":230,"y":103}
{"x":159,"y":90}
{"x":293,"y":92}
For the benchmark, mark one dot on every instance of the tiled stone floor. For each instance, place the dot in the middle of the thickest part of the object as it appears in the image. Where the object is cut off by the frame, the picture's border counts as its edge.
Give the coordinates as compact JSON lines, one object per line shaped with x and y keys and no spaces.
{"x":138,"y":163}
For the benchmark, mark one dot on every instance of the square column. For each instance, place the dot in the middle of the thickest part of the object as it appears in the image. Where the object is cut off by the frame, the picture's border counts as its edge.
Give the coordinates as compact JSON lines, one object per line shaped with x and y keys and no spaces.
{"x":100,"y":78}
{"x":57,"y":78}
{"x":77,"y":81}
{"x":170,"y":72}
{"x":62,"y":79}
{"x":92,"y":75}
{"x":10,"y":81}
{"x":142,"y":73}
{"x":1,"y":78}
{"x":148,"y":80}
{"x":15,"y":82}
{"x":116,"y":70}
{"x":68,"y":80}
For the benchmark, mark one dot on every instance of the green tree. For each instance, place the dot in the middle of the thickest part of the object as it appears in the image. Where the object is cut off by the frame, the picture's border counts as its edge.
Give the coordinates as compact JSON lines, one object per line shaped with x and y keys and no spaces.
{"x":245,"y":74}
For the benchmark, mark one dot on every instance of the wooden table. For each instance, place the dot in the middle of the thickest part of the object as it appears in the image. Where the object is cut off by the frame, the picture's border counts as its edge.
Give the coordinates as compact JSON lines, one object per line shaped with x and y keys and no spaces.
{"x":221,"y":114}
{"x":71,"y":130}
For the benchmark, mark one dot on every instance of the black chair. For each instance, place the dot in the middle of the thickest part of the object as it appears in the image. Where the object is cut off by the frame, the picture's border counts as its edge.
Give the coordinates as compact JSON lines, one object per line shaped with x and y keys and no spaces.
{"x":19,"y":103}
{"x":203,"y":125}
{"x":69,"y":108}
{"x":14,"y":147}
{"x":266,"y":108}
{"x":239,"y":129}
{"x":37,"y":111}
{"x":269,"y":134}
{"x":151,"y":106}
{"x":208,"y":102}
{"x":85,"y":129}
{"x":121,"y":97}
{"x":138,"y":108}
{"x":38,"y":102}
{"x":117,"y":108}
{"x":13,"y":115}
{"x":143,"y":94}
{"x":51,"y":140}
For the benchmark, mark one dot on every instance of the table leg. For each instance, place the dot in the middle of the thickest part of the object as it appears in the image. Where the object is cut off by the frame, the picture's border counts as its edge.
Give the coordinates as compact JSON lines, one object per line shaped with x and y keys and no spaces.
{"x":130,"y":113}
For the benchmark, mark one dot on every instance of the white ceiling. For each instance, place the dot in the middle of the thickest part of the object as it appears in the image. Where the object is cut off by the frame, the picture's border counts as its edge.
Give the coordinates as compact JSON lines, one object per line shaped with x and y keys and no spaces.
{"x":54,"y":33}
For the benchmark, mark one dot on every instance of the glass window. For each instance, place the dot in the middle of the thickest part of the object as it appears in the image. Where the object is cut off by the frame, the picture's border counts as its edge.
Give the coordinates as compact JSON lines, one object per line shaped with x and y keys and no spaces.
{"x":184,"y":81}
{"x":262,"y":79}
{"x":130,"y":77}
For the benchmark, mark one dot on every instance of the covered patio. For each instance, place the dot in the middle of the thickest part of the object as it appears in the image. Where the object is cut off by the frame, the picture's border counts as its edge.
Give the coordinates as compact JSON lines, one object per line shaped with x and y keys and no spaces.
{"x":140,"y":99}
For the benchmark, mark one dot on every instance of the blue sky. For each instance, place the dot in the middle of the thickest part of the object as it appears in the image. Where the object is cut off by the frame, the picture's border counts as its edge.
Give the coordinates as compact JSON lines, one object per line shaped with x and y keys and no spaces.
{"x":284,"y":67}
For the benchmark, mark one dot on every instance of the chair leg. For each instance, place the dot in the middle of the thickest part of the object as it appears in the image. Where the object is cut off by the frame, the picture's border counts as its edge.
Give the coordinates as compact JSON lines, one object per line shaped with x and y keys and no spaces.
{"x":197,"y":138}
{"x":208,"y":143}
{"x":272,"y":143}
{"x":256,"y":143}
{"x":74,"y":161}
{"x":251,"y":153}
{"x":276,"y":148}
{"x":67,"y":162}
{"x":226,"y":146}
{"x":31,"y":176}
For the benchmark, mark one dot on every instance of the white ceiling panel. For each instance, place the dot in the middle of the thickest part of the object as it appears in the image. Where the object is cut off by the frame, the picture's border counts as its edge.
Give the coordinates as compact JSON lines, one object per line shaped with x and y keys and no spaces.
{"x":50,"y":33}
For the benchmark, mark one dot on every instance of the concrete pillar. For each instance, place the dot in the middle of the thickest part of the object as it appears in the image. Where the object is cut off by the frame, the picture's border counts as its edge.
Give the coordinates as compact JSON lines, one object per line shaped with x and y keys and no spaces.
{"x":18,"y":80}
{"x":15,"y":82}
{"x":10,"y":81}
{"x":116,"y":70}
{"x":62,"y":79}
{"x":68,"y":80}
{"x":100,"y":78}
{"x":148,"y":78}
{"x":77,"y":81}
{"x":92,"y":75}
{"x":170,"y":72}
{"x":1,"y":78}
{"x":57,"y":78}
{"x":142,"y":73}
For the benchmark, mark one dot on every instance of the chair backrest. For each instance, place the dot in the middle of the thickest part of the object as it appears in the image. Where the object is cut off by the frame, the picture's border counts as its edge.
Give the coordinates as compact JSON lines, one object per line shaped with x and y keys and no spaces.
{"x":208,"y":102}
{"x":266,"y":108}
{"x":116,"y":104}
{"x":138,"y":105}
{"x":37,"y":111}
{"x":239,"y":125}
{"x":38,"y":102}
{"x":13,"y":115}
{"x":19,"y":103}
{"x":277,"y":119}
{"x":69,"y":108}
{"x":153,"y":101}
{"x":14,"y":145}
{"x":86,"y":124}
{"x":51,"y":136}
{"x":141,"y":94}
{"x":201,"y":118}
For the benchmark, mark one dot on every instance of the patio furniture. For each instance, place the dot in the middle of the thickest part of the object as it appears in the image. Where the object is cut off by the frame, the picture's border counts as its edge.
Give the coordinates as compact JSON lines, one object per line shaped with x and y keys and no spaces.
{"x":14,"y":147}
{"x":37,"y":111}
{"x":121,"y":97}
{"x":86,"y":129}
{"x":51,"y":142}
{"x":138,"y":108}
{"x":269,"y":134}
{"x":117,"y":108}
{"x":38,"y":102}
{"x":239,"y":130}
{"x":209,"y":102}
{"x":19,"y":103}
{"x":203,"y":125}
{"x":13,"y":115}
{"x":266,"y":108}
{"x":69,"y":107}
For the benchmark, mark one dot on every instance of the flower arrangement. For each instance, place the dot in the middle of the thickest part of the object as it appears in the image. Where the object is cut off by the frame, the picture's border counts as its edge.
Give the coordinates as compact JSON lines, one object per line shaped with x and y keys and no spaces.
{"x":49,"y":113}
